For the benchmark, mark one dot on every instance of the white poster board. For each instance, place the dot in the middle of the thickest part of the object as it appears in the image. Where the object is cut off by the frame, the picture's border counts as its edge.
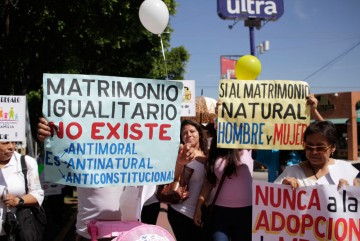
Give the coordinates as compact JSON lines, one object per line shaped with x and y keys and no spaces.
{"x":12,"y":118}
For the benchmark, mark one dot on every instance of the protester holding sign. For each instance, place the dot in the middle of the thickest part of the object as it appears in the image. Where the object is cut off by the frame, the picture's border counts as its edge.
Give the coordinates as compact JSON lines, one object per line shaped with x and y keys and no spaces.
{"x":320,"y":141}
{"x":276,"y":160}
{"x":180,"y":215}
{"x":103,"y":131}
{"x":12,"y":182}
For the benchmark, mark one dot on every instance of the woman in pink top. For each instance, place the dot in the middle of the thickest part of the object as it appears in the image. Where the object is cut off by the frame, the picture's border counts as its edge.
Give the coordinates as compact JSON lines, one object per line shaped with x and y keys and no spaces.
{"x":231,"y":215}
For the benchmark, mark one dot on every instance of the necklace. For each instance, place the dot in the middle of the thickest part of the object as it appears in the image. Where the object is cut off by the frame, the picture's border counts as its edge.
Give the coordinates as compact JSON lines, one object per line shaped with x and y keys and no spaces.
{"x":313,"y":170}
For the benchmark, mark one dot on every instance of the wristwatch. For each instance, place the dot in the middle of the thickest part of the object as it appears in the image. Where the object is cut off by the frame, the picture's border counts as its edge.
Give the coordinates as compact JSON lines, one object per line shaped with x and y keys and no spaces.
{"x":21,"y":202}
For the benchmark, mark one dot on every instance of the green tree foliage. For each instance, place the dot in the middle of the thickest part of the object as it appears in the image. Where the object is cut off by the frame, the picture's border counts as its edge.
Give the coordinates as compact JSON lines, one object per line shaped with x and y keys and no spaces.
{"x":102,"y":37}
{"x":88,"y":37}
{"x":174,"y":69}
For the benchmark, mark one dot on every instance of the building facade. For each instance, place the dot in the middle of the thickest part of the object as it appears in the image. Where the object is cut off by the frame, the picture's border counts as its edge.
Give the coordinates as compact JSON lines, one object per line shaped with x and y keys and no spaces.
{"x":343,"y":109}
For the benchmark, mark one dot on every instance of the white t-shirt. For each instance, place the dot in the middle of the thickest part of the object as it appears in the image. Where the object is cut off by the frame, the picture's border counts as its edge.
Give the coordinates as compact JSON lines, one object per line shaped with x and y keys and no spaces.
{"x":110,"y":203}
{"x":340,"y":169}
{"x":12,"y":180}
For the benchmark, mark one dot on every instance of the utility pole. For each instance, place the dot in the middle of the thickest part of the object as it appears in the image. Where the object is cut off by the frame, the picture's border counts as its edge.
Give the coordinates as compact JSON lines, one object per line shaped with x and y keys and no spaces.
{"x":252,"y":23}
{"x":201,"y":110}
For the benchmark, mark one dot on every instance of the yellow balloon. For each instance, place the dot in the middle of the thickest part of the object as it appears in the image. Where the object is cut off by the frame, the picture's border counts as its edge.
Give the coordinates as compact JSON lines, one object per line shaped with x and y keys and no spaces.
{"x":248,"y":67}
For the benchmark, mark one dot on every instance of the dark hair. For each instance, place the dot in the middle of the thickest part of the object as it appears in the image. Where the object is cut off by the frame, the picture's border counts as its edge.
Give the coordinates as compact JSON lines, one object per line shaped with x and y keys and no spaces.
{"x":202,"y":140}
{"x":231,"y":155}
{"x":211,"y":129}
{"x":325,"y":128}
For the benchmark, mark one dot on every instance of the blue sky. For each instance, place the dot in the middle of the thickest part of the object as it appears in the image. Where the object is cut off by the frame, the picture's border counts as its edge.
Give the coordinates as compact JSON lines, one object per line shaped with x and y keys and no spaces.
{"x":315,"y":40}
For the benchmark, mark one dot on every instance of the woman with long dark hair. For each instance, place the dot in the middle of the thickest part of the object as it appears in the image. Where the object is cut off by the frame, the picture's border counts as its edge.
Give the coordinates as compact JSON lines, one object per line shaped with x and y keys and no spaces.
{"x":180,"y":215}
{"x":231,"y":213}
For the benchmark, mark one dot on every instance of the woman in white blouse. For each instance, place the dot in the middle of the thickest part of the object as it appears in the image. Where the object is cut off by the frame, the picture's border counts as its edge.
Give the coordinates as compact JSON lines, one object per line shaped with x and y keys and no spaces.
{"x":12,"y":184}
{"x":319,"y":168}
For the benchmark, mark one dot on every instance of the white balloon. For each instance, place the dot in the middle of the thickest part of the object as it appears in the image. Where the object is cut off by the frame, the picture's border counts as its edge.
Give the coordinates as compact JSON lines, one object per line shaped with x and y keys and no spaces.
{"x":154,"y":15}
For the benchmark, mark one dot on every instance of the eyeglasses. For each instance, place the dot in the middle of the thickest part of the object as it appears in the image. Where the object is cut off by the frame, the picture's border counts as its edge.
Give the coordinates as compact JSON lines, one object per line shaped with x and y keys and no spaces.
{"x":320,"y":149}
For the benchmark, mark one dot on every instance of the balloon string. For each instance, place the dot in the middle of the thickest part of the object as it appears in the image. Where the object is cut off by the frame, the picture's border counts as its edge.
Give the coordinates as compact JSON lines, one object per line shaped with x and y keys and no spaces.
{"x":163,"y":52}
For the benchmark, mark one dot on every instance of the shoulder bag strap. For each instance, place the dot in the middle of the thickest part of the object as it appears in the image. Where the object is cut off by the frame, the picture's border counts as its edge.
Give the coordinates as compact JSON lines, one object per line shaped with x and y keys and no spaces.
{"x":218,"y":189}
{"x":24,"y":171}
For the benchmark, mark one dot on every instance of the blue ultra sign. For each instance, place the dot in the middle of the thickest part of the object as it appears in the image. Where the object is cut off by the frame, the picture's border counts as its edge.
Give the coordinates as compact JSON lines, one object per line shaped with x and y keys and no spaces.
{"x":244,"y":9}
